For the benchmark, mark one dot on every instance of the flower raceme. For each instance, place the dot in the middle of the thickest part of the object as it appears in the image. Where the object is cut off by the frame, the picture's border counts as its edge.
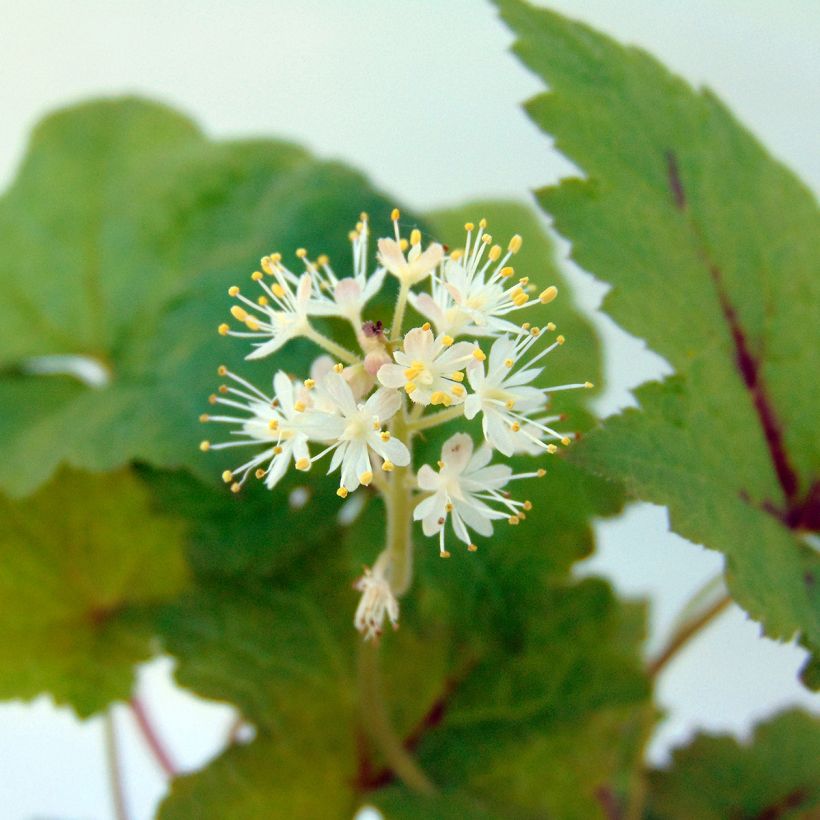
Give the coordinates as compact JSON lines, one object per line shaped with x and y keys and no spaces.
{"x":362,"y":410}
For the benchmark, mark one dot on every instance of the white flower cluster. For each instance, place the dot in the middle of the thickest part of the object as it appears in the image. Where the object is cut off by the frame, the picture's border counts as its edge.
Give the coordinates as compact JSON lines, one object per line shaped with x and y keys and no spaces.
{"x":362,"y":410}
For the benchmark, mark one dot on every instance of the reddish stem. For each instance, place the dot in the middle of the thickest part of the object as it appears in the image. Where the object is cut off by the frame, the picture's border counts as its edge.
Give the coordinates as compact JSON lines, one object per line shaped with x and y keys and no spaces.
{"x":152,"y":738}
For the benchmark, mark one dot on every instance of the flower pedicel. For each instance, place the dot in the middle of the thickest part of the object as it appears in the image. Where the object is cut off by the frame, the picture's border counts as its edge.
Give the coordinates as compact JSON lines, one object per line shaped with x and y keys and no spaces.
{"x":360,"y":411}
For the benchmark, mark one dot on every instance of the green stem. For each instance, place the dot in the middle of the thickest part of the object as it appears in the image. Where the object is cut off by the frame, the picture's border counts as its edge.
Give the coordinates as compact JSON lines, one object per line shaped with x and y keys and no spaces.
{"x":399,"y":502}
{"x":112,"y":757}
{"x":434,"y":419}
{"x":681,"y":637}
{"x":398,"y":314}
{"x":378,"y":725}
{"x":341,"y":353}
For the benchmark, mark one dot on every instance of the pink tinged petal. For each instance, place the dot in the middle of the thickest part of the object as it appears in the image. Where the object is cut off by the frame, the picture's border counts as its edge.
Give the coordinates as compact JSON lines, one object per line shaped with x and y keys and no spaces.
{"x":427,"y":307}
{"x":339,"y":391}
{"x":424,"y":263}
{"x":497,"y":432}
{"x":419,"y":345}
{"x":374,"y":284}
{"x":348,"y":293}
{"x":269,"y":347}
{"x":391,"y":257}
{"x":304,"y":290}
{"x":428,"y":479}
{"x":392,"y":375}
{"x":456,"y":452}
{"x":383,"y":403}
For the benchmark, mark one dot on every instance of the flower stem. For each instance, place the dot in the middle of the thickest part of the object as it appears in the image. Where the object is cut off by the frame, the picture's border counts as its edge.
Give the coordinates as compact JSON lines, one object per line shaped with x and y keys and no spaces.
{"x":112,"y":756}
{"x":398,"y":314}
{"x":434,"y":419}
{"x":341,"y":353}
{"x":398,"y":502}
{"x":377,"y":722}
{"x":152,"y":738}
{"x":685,"y":633}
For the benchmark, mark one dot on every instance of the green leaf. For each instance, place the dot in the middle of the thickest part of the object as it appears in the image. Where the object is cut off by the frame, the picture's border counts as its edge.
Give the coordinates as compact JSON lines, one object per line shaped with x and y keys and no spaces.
{"x":775,"y":775}
{"x":711,"y":247}
{"x":84,"y":566}
{"x":118,"y":240}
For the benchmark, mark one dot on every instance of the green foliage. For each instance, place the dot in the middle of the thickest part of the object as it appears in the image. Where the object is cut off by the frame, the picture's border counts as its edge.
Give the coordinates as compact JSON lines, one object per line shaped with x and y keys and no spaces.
{"x":711,"y":248}
{"x":118,"y":240}
{"x":775,"y":775}
{"x":80,"y":588}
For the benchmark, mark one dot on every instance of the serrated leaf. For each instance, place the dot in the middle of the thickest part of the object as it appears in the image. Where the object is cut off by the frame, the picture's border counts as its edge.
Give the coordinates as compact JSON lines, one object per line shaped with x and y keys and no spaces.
{"x":711,"y":248}
{"x":84,"y":566}
{"x":118,"y":240}
{"x":776,"y":774}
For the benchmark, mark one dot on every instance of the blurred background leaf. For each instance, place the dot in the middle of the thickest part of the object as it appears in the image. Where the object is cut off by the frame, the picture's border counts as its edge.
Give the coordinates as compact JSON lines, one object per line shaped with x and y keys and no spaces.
{"x":711,"y":247}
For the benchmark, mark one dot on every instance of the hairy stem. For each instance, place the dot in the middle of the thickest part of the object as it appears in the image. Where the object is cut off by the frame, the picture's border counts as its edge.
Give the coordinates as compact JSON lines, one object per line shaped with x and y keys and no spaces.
{"x":434,"y":419}
{"x":681,"y":637}
{"x":398,"y":314}
{"x":378,"y":726}
{"x":112,"y":757}
{"x":151,"y":737}
{"x":341,"y":353}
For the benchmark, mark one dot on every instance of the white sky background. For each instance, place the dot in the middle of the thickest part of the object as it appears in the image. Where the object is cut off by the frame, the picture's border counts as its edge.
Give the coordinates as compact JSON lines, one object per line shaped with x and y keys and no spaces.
{"x":423,"y":96}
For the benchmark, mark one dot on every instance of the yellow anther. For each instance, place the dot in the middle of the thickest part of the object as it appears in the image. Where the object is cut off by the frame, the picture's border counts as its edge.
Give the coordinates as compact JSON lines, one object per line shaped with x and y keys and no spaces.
{"x":204,"y":445}
{"x":550,"y":326}
{"x":409,"y":388}
{"x":458,"y":376}
{"x":456,"y":254}
{"x":536,"y":331}
{"x":299,"y":406}
{"x":472,"y":547}
{"x":524,"y":281}
{"x":403,"y":244}
{"x":338,"y":367}
{"x":513,"y":519}
{"x":385,"y":435}
{"x":541,"y":472}
{"x":365,"y":478}
{"x":273,"y":424}
{"x":212,"y":398}
{"x":448,"y":506}
{"x":508,"y":362}
{"x":278,"y":290}
{"x":301,"y":252}
{"x":266,"y":264}
{"x":468,"y":226}
{"x":251,"y":323}
{"x":416,"y":367}
{"x":257,"y":276}
{"x":426,"y":326}
{"x":310,"y":384}
{"x":342,"y":492}
{"x":551,"y":448}
{"x":526,"y":326}
{"x":482,"y":223}
{"x":376,"y":424}
{"x":238,"y":313}
{"x":444,"y":554}
{"x":262,"y":301}
{"x":495,"y":253}
{"x":204,"y":417}
{"x":415,"y":236}
{"x":522,"y":516}
{"x":515,"y":244}
{"x":322,"y":259}
{"x":515,"y":427}
{"x":222,"y":370}
{"x":528,"y":505}
{"x":589,"y":385}
{"x":352,"y":236}
{"x":236,"y":487}
{"x":302,"y":464}
{"x":565,"y":441}
{"x":388,"y":466}
{"x":260,"y":473}
{"x":440,"y":464}
{"x":479,"y":354}
{"x":395,"y":214}
{"x":510,"y":403}
{"x":546,"y":296}
{"x":520,"y":299}
{"x":224,"y":329}
{"x":440,"y":397}
{"x":223,"y":389}
{"x":486,"y":239}
{"x":275,"y":258}
{"x":560,"y":340}
{"x":447,"y":340}
{"x":227,"y":476}
{"x":506,"y":271}
{"x":233,"y":291}
{"x":277,"y":450}
{"x":363,"y":216}
{"x":458,"y":390}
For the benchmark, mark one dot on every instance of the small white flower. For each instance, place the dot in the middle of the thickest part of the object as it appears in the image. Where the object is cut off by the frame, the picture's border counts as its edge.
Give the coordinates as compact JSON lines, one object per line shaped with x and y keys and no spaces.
{"x":353,"y":430}
{"x":462,"y":489}
{"x":411,"y":270}
{"x":429,"y":368}
{"x":377,"y":603}
{"x":472,"y":293}
{"x":274,"y":422}
{"x":507,"y":400}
